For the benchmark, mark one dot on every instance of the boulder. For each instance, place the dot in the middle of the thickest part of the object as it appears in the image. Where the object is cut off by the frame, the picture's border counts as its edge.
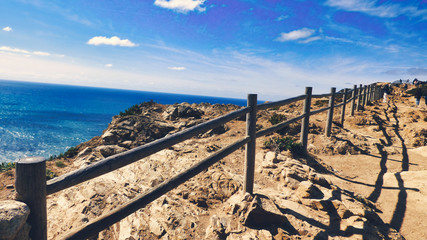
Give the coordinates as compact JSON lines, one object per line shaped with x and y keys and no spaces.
{"x":109,"y":150}
{"x":13,"y":217}
{"x":183,"y":110}
{"x":216,"y":228}
{"x":307,"y":189}
{"x":269,"y":160}
{"x":216,"y":131}
{"x":263,"y":213}
{"x":271,"y":157}
{"x":156,"y":228}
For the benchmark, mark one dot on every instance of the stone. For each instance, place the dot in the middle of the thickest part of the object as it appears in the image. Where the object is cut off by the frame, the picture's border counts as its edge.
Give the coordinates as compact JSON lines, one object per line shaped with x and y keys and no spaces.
{"x":126,"y":144}
{"x":291,"y":183}
{"x":13,"y":217}
{"x":270,"y":157}
{"x":156,"y":181}
{"x":84,"y":152}
{"x":183,"y":110}
{"x":319,"y":179}
{"x":259,"y":157}
{"x":262,"y":213}
{"x":306,"y":189}
{"x":110,"y":150}
{"x":24,"y":233}
{"x":156,"y":228}
{"x":109,"y":137}
{"x":216,"y":131}
{"x":216,"y":228}
{"x":281,"y":158}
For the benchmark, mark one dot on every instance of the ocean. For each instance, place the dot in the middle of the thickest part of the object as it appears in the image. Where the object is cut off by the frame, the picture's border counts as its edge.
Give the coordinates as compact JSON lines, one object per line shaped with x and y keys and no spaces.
{"x":39,"y":119}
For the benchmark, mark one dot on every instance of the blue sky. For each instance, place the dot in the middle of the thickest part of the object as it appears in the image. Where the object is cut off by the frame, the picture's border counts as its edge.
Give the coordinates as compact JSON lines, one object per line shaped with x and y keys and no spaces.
{"x":209,"y":47}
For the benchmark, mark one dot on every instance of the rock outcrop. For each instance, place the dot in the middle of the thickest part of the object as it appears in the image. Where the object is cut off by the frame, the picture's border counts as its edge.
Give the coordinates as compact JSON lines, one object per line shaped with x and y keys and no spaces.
{"x":13,"y":217}
{"x":294,"y":196}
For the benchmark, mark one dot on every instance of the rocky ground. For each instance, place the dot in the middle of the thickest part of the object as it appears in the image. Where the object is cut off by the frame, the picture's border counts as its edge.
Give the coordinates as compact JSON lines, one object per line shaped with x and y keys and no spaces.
{"x":366,"y":181}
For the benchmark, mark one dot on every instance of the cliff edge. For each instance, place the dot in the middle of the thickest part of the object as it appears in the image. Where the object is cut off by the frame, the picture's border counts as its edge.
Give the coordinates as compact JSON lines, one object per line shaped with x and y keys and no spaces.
{"x":363,"y":182}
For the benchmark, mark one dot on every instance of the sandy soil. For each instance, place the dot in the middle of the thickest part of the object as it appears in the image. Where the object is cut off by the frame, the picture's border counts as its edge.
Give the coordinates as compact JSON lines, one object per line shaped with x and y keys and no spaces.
{"x":394,"y":176}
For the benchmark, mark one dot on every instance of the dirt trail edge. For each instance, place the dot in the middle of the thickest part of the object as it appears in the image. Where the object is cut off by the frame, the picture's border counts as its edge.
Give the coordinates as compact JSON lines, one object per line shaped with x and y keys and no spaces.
{"x":393,"y":175}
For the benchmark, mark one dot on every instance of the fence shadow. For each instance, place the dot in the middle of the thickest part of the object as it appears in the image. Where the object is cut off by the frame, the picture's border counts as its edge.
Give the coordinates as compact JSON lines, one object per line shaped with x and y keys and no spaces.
{"x":380,"y":179}
{"x":400,"y":209}
{"x":315,"y":162}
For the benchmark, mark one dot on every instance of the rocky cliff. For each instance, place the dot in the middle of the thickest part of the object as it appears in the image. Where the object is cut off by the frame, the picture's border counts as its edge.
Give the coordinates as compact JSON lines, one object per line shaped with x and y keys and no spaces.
{"x":293,"y":199}
{"x":296,"y":197}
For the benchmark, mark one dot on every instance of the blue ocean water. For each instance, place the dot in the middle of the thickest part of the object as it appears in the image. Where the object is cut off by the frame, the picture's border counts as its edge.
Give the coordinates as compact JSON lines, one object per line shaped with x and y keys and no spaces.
{"x":38,"y":119}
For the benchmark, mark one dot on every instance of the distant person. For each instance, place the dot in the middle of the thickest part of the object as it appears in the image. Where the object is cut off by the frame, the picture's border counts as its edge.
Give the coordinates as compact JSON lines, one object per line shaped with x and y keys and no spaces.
{"x":415,"y":82}
{"x":386,"y":91}
{"x":418,"y":93}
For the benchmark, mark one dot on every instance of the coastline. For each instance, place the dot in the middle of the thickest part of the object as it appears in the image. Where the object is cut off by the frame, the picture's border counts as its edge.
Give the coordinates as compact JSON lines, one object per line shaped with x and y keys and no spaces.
{"x":40,"y":119}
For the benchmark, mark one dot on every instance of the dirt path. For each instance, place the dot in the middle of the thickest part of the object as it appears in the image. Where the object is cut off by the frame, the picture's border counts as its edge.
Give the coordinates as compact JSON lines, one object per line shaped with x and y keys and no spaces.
{"x":394,"y":176}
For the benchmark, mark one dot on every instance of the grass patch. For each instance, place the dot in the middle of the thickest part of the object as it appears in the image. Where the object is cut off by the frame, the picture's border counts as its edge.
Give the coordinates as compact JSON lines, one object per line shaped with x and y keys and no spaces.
{"x":50,"y":174}
{"x":282,"y":144}
{"x":6,"y":166}
{"x":136,"y":109}
{"x":321,"y":103}
{"x":71,"y":152}
{"x":60,"y":164}
{"x":276,"y":119}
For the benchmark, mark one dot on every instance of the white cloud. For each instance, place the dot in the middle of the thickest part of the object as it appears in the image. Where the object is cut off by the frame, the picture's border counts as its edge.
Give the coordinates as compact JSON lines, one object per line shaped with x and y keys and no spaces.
{"x":371,"y":7}
{"x":38,"y":53}
{"x":108,"y":65}
{"x":177,"y":68}
{"x":182,"y":6}
{"x":344,"y":40}
{"x":113,"y":41}
{"x":282,"y":17}
{"x":27,"y":53}
{"x":7,"y":29}
{"x":388,"y":48}
{"x":312,"y":39}
{"x":295,"y":35}
{"x":13,"y":50}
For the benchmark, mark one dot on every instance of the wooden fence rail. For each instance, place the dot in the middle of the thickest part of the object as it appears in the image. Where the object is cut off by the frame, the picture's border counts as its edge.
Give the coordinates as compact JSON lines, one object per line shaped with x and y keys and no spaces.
{"x":122,"y":159}
{"x":32,"y":187}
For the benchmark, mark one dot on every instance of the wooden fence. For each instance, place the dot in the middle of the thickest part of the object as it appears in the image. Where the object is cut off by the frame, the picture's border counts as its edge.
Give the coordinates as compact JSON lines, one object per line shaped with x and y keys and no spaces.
{"x":32,"y":187}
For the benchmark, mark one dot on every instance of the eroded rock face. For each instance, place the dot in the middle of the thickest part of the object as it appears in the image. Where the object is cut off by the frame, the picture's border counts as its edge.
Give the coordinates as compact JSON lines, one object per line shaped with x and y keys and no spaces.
{"x":291,"y":201}
{"x":13,"y":217}
{"x":183,"y":110}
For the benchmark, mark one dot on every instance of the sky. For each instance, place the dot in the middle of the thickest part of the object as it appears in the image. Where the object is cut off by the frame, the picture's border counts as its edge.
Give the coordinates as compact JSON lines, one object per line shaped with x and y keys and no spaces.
{"x":216,"y":48}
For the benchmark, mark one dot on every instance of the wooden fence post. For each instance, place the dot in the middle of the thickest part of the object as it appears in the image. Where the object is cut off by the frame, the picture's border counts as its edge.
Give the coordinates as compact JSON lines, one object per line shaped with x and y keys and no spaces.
{"x":365,"y":95}
{"x":378,"y":92}
{"x":251,"y":145}
{"x":306,"y":119}
{"x":344,"y":100}
{"x":369,"y":93}
{"x":353,"y":101}
{"x":30,"y":184}
{"x":374,"y":87}
{"x":359,"y":99}
{"x":330,"y":112}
